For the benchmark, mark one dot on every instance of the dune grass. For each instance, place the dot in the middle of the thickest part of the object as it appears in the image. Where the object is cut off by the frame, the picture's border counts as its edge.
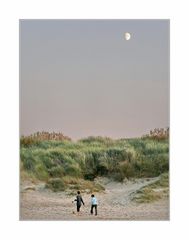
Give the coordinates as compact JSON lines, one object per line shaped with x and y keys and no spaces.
{"x":154,"y":191}
{"x":91,"y":157}
{"x":73,"y":184}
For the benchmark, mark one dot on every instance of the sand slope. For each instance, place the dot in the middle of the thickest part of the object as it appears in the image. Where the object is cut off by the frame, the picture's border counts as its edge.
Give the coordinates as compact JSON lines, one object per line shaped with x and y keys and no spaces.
{"x":115,"y":203}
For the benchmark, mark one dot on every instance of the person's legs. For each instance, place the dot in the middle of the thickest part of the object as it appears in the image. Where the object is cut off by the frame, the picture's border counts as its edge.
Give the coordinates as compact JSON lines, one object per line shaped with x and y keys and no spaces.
{"x":78,"y":208}
{"x":92,"y":209}
{"x":95,"y":209}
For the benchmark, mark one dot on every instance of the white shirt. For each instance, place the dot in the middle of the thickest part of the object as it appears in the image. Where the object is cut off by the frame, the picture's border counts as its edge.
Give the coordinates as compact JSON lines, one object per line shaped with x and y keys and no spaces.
{"x":93,"y":201}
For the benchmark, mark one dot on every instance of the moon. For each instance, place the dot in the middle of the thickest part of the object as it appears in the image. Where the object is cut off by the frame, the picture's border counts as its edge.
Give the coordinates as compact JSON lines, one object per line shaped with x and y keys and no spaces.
{"x":127,"y":36}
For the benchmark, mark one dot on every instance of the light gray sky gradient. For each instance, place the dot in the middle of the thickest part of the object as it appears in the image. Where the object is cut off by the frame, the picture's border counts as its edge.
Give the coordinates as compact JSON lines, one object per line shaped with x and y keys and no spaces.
{"x":82,"y":78}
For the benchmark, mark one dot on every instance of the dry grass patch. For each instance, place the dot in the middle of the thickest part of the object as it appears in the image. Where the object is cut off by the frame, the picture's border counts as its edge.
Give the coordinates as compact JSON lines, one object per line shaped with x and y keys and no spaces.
{"x":154,"y":191}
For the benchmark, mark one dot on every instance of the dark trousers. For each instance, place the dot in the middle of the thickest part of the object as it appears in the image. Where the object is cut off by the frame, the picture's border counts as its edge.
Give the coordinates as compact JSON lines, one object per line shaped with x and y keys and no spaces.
{"x":94,"y":206}
{"x":78,"y":208}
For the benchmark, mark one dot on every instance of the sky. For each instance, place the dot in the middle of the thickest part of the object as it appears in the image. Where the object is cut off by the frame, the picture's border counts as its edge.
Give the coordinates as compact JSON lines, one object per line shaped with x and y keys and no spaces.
{"x":82,"y":78}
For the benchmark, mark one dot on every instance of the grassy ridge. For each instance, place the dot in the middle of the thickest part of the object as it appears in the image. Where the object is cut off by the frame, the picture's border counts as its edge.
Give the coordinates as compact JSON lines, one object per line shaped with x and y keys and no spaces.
{"x":154,"y":191}
{"x":95,"y":156}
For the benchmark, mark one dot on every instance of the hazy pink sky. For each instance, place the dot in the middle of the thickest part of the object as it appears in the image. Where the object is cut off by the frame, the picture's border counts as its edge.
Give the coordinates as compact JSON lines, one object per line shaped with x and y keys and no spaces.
{"x":82,"y":78}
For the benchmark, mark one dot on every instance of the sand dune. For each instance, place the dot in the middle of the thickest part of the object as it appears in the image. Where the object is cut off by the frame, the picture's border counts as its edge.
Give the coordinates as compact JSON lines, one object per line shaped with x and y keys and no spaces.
{"x":115,"y":203}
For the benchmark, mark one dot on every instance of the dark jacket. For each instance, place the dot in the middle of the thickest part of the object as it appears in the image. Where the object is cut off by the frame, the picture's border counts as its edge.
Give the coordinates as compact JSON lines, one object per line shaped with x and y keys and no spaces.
{"x":79,"y":200}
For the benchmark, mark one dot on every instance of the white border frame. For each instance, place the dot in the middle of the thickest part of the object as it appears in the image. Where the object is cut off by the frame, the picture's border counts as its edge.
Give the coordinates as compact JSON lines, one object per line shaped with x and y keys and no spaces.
{"x":10,"y":13}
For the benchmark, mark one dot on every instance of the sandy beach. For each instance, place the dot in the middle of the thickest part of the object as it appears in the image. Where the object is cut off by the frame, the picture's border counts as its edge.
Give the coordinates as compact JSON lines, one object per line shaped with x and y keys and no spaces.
{"x":115,"y":203}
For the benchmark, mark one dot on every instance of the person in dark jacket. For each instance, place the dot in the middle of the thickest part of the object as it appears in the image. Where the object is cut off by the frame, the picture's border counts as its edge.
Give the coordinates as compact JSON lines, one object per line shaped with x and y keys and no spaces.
{"x":79,"y":200}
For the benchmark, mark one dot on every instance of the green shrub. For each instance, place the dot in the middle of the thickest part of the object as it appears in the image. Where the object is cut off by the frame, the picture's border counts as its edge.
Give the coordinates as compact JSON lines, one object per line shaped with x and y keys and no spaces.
{"x":99,"y":139}
{"x":28,"y":161}
{"x":102,"y":169}
{"x":127,"y":170}
{"x":40,"y":172}
{"x":73,"y":170}
{"x":95,"y":156}
{"x":56,"y":184}
{"x":47,"y":161}
{"x":89,"y":176}
{"x":56,"y":171}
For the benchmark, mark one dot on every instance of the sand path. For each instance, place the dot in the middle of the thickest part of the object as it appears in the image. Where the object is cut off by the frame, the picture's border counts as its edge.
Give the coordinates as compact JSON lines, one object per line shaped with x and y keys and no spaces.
{"x":113,"y":204}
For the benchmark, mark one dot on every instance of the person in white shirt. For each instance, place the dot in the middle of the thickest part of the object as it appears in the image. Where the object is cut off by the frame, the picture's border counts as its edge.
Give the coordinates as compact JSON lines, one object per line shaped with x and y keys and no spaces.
{"x":93,"y":204}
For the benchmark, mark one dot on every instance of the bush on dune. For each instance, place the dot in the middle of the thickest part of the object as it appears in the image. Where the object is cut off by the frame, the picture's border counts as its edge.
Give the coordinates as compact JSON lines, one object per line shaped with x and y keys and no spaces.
{"x":56,"y":171}
{"x":154,"y":191}
{"x":95,"y":156}
{"x":56,"y":184}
